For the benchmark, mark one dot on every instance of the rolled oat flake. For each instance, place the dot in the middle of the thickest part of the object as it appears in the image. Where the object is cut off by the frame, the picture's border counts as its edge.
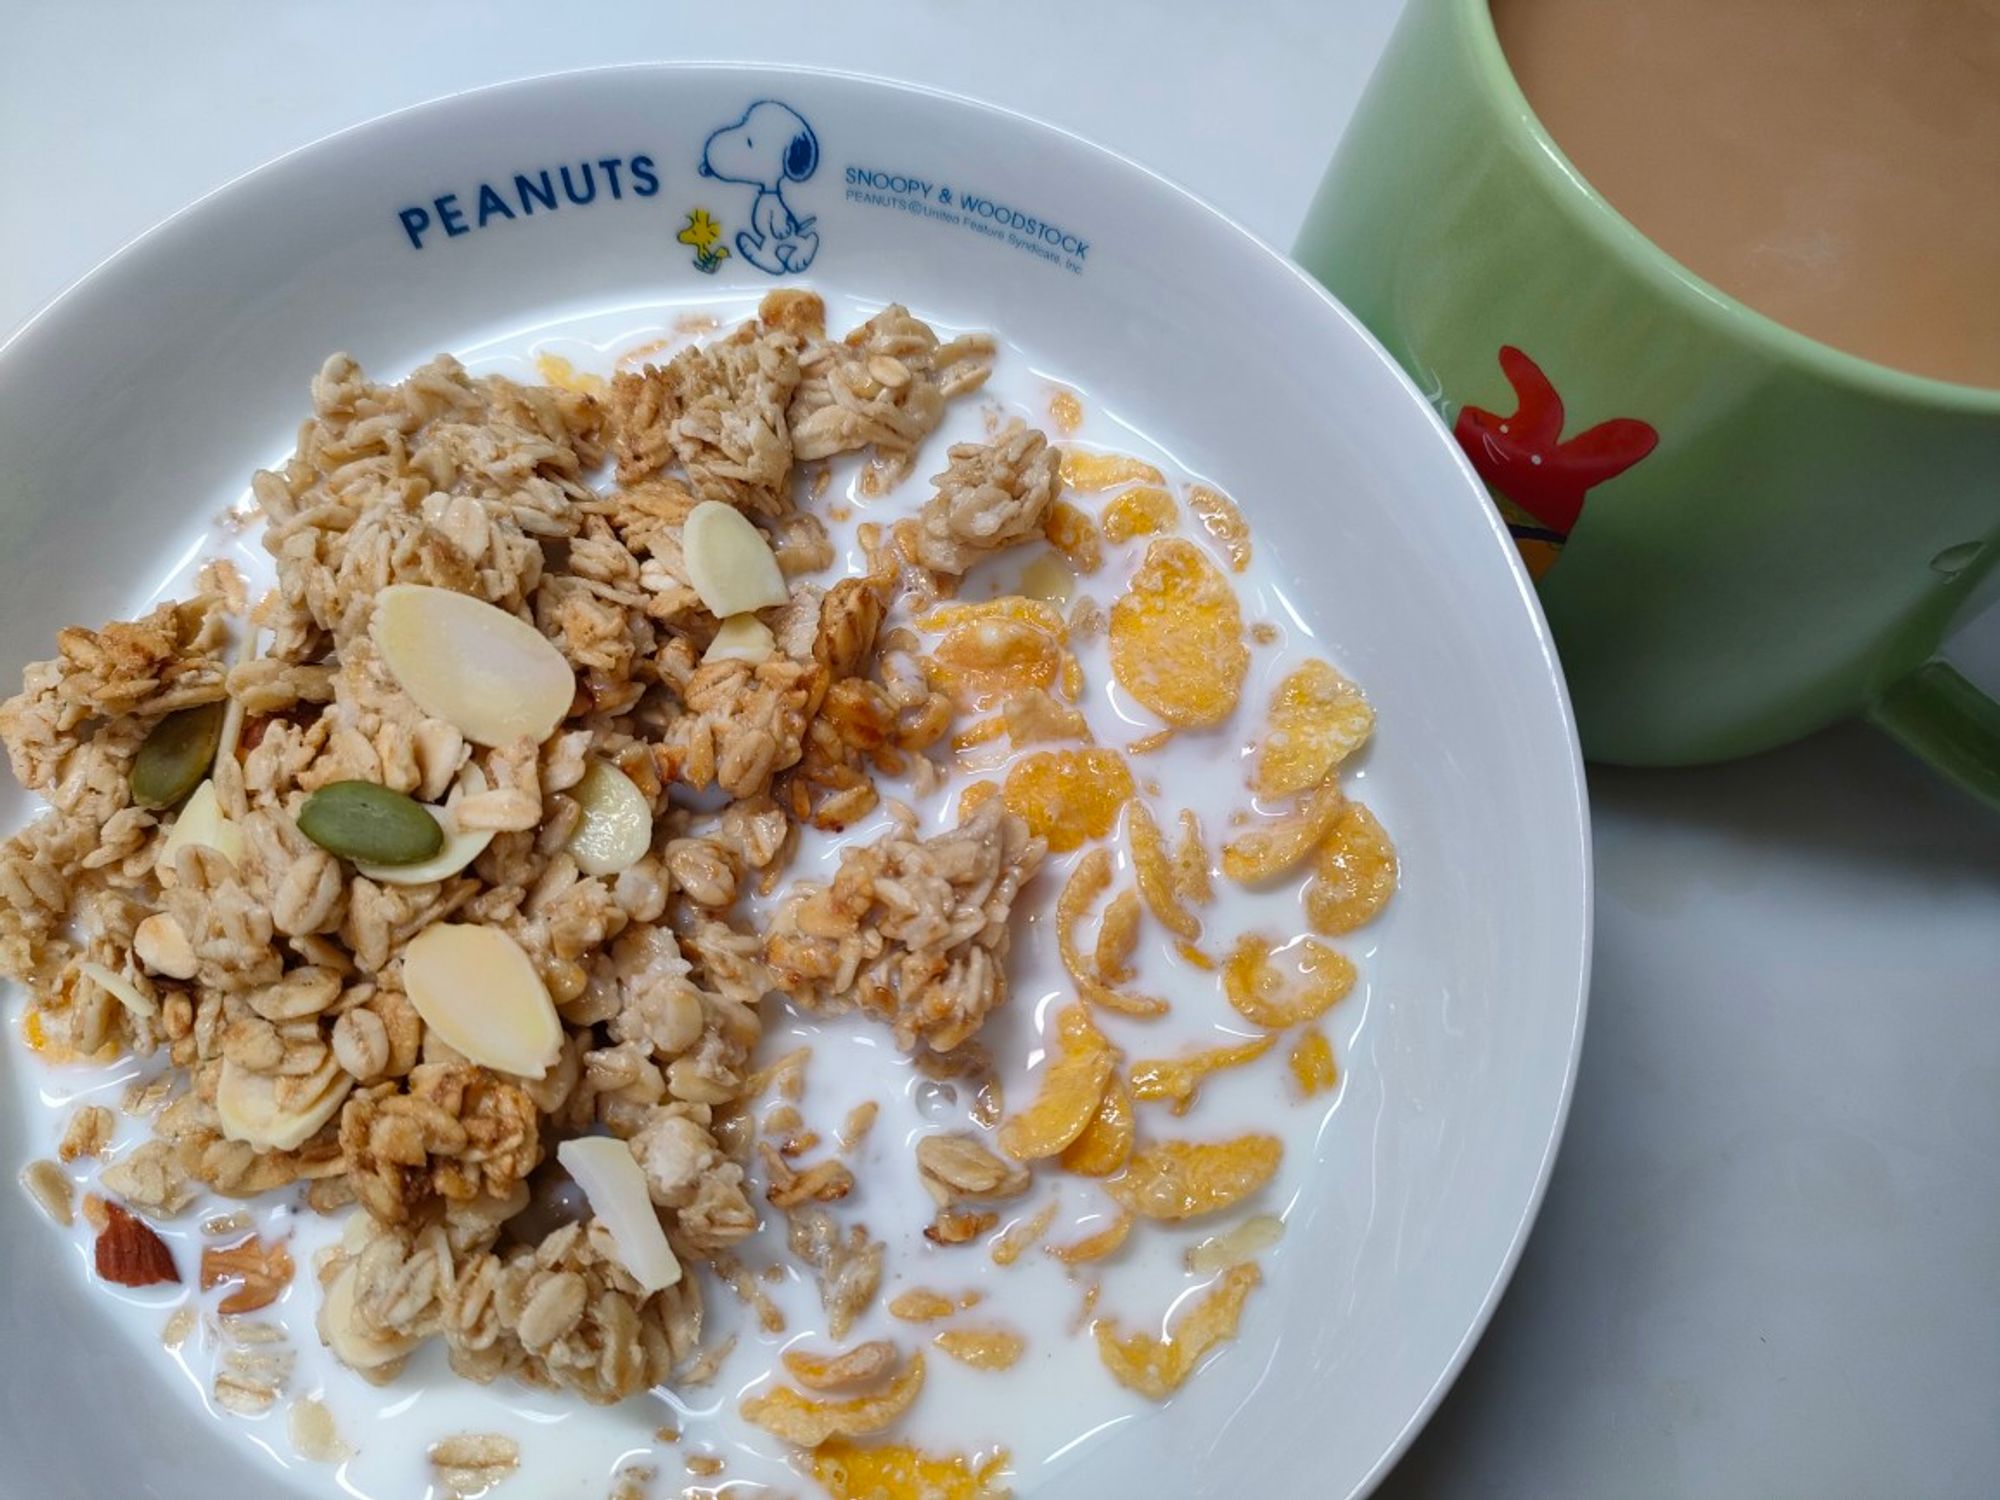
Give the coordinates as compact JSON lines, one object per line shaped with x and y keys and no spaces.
{"x":359,"y":820}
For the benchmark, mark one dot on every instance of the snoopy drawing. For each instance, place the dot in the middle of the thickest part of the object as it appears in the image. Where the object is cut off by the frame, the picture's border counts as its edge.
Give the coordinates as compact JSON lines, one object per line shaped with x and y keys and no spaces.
{"x":769,"y":147}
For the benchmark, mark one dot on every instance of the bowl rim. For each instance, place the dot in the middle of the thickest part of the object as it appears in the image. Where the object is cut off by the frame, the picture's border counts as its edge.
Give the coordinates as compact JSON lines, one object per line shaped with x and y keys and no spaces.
{"x":15,"y":346}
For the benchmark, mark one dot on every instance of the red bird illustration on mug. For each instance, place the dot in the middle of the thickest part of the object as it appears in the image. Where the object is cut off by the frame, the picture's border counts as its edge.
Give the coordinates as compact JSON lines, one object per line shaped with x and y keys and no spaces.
{"x":1541,"y":480}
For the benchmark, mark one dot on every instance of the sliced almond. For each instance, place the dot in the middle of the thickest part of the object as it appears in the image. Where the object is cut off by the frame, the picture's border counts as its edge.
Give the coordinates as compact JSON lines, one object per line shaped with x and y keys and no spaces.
{"x":616,"y":829}
{"x":248,"y":1104}
{"x":233,"y":714}
{"x":742,"y":638}
{"x":202,"y":822}
{"x":119,"y":988}
{"x":161,"y":944}
{"x":355,"y":1349}
{"x":494,"y":677}
{"x":479,"y":991}
{"x":609,"y":1175}
{"x":729,"y":562}
{"x":130,"y":1253}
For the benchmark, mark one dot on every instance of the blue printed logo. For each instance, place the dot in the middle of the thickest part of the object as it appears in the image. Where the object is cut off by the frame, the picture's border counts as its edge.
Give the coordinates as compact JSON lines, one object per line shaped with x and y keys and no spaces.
{"x":476,"y":205}
{"x":770,"y":146}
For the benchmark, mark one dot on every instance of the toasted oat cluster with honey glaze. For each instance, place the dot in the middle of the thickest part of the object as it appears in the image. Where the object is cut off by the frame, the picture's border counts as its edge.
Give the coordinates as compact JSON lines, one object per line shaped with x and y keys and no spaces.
{"x":451,"y":884}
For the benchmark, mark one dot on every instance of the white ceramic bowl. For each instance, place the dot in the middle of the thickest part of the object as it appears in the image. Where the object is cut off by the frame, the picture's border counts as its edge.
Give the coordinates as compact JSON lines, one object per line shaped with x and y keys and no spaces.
{"x":133,"y":409}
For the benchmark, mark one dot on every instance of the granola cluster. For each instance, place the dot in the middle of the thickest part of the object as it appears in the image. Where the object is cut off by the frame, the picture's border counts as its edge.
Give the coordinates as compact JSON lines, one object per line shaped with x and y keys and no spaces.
{"x":911,"y":930}
{"x":279,"y":980}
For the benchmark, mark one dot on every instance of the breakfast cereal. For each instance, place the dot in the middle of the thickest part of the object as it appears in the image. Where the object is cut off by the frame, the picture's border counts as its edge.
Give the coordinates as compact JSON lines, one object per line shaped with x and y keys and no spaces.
{"x":436,"y":897}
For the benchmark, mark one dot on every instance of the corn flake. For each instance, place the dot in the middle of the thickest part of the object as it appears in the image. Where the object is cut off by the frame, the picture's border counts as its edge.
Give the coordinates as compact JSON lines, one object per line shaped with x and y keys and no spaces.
{"x":1318,"y":718}
{"x":1235,"y":1247}
{"x":1105,"y":1241}
{"x":1065,"y":411}
{"x":1106,"y":1142}
{"x":1088,"y":473}
{"x":1224,"y":522}
{"x":1154,"y":870}
{"x":1034,"y":717}
{"x":1313,"y":1067}
{"x":921,"y":1305}
{"x":1273,"y":848}
{"x":895,"y":1471}
{"x":1072,"y":1085}
{"x":1191,"y":871}
{"x":1068,"y":796}
{"x":806,"y":1423}
{"x":1354,"y":876}
{"x":1117,"y":936}
{"x":1177,"y":637}
{"x":1086,"y":1306}
{"x":1143,"y":510}
{"x":1262,"y":994}
{"x":1071,"y":680}
{"x":983,"y":732}
{"x":1075,"y":536}
{"x":1086,"y":883}
{"x":1013,"y":1241}
{"x":1178,"y":1079}
{"x":864,"y":1364}
{"x":1001,"y":646}
{"x":1183,"y":1179}
{"x":559,"y":372}
{"x":986,"y":1348}
{"x":1156,"y":1368}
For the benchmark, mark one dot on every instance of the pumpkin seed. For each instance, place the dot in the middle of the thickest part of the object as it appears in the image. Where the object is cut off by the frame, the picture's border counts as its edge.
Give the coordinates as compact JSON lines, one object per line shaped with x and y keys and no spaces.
{"x":361,"y":821}
{"x":458,"y":850}
{"x":176,"y":755}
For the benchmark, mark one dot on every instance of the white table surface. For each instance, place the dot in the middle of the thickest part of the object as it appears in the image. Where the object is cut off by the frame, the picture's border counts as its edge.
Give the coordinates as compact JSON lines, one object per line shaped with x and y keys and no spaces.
{"x":1769,"y":1264}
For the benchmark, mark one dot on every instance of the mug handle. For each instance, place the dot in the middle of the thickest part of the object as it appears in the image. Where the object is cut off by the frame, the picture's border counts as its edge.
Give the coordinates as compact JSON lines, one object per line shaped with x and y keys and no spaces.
{"x":1942,"y":718}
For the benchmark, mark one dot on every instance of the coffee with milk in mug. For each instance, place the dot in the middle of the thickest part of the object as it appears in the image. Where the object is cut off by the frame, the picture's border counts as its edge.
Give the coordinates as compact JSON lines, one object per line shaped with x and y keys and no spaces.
{"x":1835,"y":164}
{"x":1748,"y":512}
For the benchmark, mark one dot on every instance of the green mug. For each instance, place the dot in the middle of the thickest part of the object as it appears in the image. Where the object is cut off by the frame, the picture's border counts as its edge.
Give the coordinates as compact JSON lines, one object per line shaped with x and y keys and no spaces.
{"x":1739,"y":534}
